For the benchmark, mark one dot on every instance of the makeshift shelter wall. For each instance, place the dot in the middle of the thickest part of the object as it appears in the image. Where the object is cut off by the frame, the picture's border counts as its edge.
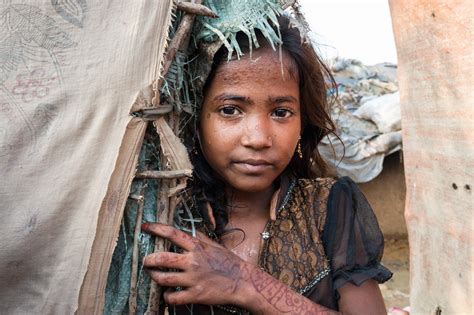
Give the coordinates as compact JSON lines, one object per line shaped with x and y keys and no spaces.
{"x":70,"y":72}
{"x":435,"y":55}
{"x":386,"y":194}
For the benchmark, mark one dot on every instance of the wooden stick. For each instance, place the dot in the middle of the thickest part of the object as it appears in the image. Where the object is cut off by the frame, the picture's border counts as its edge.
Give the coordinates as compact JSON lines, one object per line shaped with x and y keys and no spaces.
{"x":196,"y":9}
{"x":132,"y":300}
{"x":178,"y":40}
{"x":164,"y":174}
{"x":152,"y":113}
{"x":163,"y":214}
{"x":299,"y":16}
{"x":135,"y":197}
{"x":173,"y":191}
{"x":287,"y":4}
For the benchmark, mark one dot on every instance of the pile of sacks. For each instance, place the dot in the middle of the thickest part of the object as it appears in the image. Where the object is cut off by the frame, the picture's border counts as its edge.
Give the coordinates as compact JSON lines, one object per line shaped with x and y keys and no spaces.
{"x":367,"y":116}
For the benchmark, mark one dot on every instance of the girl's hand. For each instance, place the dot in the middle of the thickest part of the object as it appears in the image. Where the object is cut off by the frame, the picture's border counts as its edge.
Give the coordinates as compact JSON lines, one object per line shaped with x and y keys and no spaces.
{"x":210,"y":274}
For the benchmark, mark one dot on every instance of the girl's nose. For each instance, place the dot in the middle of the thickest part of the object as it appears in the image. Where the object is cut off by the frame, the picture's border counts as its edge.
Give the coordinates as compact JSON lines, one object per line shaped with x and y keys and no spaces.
{"x":257,"y":135}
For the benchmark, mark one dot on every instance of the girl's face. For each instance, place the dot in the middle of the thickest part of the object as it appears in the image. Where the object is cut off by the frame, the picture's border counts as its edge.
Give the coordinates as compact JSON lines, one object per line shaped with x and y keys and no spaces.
{"x":250,"y":120}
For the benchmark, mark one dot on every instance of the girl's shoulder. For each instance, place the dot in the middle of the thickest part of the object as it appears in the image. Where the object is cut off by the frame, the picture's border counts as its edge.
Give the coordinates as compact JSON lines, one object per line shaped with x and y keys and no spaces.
{"x":314,"y":192}
{"x":326,"y":198}
{"x":352,"y":238}
{"x":306,"y":202}
{"x":324,"y":188}
{"x":325,"y":182}
{"x":317,"y":186}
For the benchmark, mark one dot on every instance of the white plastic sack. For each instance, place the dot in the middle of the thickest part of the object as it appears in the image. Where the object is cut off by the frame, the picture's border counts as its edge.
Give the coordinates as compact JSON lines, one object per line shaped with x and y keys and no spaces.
{"x":360,"y":159}
{"x":384,"y":111}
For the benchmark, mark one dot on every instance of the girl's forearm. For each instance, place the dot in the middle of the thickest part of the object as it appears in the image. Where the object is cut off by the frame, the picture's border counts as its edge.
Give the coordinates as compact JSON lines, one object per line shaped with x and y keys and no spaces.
{"x":263,"y":294}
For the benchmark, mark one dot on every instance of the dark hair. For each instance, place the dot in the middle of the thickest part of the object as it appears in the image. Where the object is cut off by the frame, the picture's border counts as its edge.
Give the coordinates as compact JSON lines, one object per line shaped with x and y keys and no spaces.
{"x":314,"y":79}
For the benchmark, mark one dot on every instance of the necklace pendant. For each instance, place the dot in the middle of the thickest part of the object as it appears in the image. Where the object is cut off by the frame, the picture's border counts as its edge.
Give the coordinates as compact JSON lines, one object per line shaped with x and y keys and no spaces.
{"x":265,"y":235}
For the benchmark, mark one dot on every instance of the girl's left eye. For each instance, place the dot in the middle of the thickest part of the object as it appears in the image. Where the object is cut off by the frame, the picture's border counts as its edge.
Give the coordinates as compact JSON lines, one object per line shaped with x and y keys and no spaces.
{"x":229,"y":110}
{"x":282,"y":113}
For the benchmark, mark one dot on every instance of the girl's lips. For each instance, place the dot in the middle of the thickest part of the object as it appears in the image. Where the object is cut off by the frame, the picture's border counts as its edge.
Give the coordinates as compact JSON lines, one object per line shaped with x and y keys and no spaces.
{"x":253,"y":161}
{"x":253,"y":166}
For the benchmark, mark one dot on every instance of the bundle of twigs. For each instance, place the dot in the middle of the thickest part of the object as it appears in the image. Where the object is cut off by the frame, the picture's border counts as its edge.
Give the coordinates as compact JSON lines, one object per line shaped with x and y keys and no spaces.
{"x":175,"y":164}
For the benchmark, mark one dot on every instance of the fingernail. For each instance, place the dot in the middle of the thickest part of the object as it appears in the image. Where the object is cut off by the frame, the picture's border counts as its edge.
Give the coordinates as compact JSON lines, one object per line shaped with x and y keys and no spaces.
{"x":145,"y":226}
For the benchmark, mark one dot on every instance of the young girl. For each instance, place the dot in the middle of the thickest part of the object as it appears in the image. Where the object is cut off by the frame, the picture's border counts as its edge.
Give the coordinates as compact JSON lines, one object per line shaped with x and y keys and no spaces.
{"x":276,"y":239}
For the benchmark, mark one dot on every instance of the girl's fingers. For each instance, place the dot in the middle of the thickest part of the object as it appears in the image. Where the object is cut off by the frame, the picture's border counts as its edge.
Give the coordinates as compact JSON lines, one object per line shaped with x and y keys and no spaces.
{"x":204,"y":238}
{"x":178,"y":297}
{"x":165,"y":260}
{"x":176,"y":236}
{"x":168,"y":279}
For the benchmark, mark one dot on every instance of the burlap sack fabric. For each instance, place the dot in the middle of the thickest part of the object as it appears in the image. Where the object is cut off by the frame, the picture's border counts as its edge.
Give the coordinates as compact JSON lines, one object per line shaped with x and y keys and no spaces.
{"x":435,"y":57}
{"x":70,"y":72}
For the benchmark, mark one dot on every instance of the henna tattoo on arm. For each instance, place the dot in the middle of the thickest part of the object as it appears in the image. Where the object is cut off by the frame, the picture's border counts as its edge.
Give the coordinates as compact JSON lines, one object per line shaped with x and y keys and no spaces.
{"x":281,"y":297}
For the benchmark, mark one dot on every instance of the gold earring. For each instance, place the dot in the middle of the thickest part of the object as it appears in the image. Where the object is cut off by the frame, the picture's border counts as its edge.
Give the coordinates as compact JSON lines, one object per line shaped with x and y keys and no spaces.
{"x":298,"y":149}
{"x":194,"y":150}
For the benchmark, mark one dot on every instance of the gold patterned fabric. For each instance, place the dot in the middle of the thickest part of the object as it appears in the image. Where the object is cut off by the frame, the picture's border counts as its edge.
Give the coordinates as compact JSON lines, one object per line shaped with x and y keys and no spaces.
{"x":294,"y":253}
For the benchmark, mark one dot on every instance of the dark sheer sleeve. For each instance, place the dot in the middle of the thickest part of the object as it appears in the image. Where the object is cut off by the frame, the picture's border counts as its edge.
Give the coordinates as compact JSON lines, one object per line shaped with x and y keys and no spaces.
{"x":352,"y":238}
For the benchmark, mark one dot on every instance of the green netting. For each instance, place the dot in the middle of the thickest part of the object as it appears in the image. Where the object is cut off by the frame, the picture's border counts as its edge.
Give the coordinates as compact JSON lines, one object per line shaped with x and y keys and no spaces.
{"x":240,"y":15}
{"x":118,"y":281}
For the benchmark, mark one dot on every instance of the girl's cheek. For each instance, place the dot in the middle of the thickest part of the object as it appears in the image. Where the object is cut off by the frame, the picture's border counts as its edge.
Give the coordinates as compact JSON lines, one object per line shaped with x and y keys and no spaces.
{"x":226,"y":130}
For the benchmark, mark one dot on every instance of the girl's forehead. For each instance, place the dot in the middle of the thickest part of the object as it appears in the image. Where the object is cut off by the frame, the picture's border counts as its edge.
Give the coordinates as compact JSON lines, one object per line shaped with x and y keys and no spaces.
{"x":265,"y":63}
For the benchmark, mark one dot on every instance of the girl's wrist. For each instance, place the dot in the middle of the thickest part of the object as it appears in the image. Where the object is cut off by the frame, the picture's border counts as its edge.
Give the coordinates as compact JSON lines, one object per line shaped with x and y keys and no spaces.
{"x":247,"y":295}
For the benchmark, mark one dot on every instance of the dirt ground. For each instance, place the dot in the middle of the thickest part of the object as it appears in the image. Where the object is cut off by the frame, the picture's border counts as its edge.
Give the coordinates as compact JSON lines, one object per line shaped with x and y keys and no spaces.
{"x":396,"y":257}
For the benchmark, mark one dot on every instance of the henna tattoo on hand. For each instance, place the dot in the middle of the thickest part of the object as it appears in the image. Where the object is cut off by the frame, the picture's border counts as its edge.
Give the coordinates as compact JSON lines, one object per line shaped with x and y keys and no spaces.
{"x":222,"y":263}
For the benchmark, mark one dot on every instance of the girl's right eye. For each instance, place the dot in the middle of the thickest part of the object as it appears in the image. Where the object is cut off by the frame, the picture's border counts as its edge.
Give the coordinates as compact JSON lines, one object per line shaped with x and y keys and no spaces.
{"x":229,"y":110}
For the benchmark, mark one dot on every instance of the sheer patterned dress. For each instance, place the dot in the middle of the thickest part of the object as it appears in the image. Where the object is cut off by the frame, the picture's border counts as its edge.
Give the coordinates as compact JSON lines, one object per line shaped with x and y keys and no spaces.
{"x":325,"y":235}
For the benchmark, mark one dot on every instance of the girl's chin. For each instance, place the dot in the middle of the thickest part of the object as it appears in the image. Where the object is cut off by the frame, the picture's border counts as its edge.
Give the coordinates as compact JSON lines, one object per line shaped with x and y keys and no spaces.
{"x":251,"y":185}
